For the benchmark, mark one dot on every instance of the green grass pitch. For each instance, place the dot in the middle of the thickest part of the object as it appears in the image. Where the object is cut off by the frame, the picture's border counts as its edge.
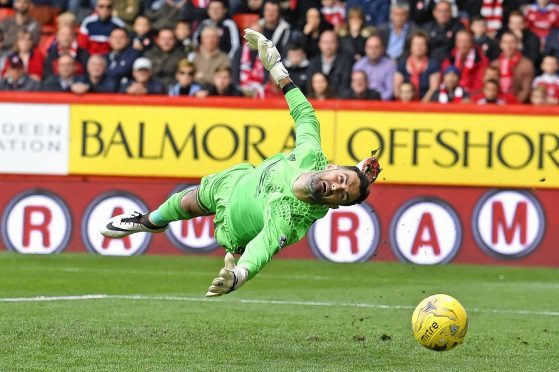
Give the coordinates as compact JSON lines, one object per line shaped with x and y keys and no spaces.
{"x":149,"y":313}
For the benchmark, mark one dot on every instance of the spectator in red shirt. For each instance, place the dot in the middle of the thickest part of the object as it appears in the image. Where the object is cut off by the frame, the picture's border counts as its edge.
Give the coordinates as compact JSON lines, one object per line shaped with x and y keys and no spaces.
{"x":516,"y":72}
{"x":32,"y":58}
{"x":541,"y":17}
{"x":549,"y":80}
{"x":469,"y":60}
{"x":492,"y":73}
{"x":95,"y":29}
{"x":65,"y":43}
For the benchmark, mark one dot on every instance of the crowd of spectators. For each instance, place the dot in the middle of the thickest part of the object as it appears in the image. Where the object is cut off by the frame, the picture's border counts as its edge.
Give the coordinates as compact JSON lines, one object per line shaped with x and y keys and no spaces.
{"x":446,"y":51}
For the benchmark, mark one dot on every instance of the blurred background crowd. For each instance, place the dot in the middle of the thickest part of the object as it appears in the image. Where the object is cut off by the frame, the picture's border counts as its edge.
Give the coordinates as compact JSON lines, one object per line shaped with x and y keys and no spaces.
{"x":447,"y":51}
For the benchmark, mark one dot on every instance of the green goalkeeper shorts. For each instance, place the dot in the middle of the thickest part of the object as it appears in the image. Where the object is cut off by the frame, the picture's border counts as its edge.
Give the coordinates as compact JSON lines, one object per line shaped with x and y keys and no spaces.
{"x":213,"y":196}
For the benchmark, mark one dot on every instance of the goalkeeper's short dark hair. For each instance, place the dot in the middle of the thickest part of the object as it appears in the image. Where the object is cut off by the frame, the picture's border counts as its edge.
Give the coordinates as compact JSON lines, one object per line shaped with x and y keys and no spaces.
{"x":364,"y":184}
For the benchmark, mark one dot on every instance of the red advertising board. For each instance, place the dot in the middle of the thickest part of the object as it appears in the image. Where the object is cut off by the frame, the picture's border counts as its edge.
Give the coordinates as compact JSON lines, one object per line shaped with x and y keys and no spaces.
{"x":418,"y":224}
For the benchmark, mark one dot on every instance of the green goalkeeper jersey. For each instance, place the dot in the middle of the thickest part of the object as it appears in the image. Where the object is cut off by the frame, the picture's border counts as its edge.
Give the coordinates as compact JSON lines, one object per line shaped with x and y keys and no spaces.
{"x":262,"y":213}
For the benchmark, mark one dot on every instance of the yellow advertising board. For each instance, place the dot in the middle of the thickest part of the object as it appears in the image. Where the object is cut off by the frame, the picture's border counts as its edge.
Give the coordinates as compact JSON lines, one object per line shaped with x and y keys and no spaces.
{"x":416,"y":148}
{"x":454,"y":149}
{"x":179,"y":141}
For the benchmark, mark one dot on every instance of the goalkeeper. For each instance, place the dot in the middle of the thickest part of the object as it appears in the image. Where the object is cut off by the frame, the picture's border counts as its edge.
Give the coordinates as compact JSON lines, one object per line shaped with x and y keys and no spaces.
{"x":259,"y":210}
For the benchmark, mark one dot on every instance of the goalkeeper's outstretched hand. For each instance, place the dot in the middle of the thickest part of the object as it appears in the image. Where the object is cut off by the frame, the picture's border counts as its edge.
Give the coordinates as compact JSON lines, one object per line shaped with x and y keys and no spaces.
{"x":230,"y":278}
{"x":267,"y":53}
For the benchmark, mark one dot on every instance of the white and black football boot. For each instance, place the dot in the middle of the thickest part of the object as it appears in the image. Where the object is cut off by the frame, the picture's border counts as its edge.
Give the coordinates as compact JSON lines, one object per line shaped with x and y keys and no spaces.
{"x":126,"y":224}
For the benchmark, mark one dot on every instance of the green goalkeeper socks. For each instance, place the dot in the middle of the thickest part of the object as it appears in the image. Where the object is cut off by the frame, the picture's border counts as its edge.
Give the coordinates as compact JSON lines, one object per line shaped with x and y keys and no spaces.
{"x":170,"y":210}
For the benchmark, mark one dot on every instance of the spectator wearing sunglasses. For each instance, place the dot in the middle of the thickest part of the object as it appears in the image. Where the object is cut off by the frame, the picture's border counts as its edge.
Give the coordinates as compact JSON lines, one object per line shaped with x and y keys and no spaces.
{"x":185,"y":85}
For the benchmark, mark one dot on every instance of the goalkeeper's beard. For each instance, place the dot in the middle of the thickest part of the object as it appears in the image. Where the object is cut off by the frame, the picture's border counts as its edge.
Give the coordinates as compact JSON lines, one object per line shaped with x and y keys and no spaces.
{"x":315,"y":187}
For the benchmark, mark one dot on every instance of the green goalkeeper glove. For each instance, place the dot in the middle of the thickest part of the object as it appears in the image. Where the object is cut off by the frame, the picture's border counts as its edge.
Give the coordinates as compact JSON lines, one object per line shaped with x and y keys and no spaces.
{"x":267,"y":52}
{"x":230,"y":278}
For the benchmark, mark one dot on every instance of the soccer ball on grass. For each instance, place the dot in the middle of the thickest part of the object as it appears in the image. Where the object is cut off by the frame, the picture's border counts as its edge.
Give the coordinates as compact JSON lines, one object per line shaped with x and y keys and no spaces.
{"x":439,"y":322}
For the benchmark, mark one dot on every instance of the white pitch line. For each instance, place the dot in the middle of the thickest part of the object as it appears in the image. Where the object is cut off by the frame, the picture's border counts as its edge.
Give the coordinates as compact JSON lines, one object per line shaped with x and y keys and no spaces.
{"x":249,"y":301}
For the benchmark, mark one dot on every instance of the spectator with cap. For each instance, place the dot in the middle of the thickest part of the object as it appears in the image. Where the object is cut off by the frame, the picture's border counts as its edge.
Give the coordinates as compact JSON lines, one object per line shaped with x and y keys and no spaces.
{"x":164,"y":56}
{"x":359,"y":88}
{"x":529,"y":44}
{"x":121,"y":56}
{"x":311,"y":30}
{"x":397,"y":31}
{"x":65,"y":78}
{"x":332,"y":62}
{"x":353,"y":37}
{"x":469,"y":60}
{"x":450,"y":90}
{"x":376,"y":11}
{"x":20,"y":21}
{"x":16,"y":79}
{"x":209,"y":58}
{"x":488,"y":46}
{"x":95,"y":80}
{"x":184,"y":84}
{"x":516,"y":72}
{"x":65,"y":43}
{"x":229,"y":34}
{"x":95,"y":29}
{"x":32,"y":58}
{"x":418,"y":69}
{"x":441,"y":31}
{"x":379,"y":68}
{"x":142,"y":81}
{"x":549,"y":79}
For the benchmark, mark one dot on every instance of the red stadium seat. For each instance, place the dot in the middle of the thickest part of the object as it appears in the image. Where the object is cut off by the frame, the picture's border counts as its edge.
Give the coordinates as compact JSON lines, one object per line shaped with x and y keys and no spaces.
{"x":6,"y":12}
{"x":244,"y":20}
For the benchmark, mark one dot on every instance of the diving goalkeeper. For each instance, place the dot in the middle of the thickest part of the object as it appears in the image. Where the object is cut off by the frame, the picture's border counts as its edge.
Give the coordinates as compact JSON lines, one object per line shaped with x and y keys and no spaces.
{"x":259,"y":210}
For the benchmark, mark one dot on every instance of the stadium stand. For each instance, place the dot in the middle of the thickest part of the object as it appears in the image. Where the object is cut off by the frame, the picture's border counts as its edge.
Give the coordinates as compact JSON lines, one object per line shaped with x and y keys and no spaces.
{"x":532,"y":25}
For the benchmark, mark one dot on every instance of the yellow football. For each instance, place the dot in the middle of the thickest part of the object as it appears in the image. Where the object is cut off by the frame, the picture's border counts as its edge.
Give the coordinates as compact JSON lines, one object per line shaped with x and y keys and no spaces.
{"x":439,"y":322}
